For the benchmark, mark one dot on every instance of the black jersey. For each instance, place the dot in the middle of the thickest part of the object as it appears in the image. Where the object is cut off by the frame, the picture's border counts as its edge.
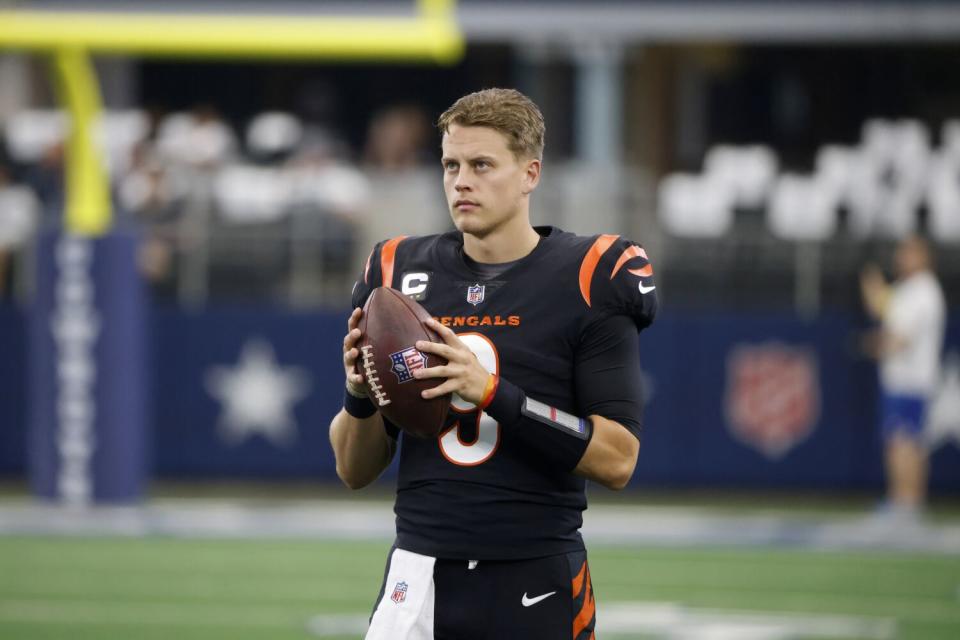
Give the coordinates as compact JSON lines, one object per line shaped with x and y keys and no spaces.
{"x":475,"y":492}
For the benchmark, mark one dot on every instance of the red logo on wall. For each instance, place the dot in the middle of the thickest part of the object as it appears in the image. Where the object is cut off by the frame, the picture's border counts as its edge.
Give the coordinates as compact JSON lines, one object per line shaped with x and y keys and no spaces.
{"x":773,"y":396}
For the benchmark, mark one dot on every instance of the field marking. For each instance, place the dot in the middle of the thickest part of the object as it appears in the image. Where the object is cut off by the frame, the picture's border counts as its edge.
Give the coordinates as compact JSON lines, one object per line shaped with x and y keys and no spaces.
{"x":307,"y":593}
{"x":670,"y":527}
{"x":678,"y":622}
{"x":141,"y":613}
{"x":672,"y":621}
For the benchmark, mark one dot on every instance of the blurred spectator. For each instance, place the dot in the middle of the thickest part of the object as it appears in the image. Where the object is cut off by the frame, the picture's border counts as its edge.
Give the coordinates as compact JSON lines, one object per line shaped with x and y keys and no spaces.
{"x":273,"y":136}
{"x":912,"y":313}
{"x":18,"y":218}
{"x":398,"y":138}
{"x":331,"y":196}
{"x":152,"y":196}
{"x":199,"y":139}
{"x":46,"y":178}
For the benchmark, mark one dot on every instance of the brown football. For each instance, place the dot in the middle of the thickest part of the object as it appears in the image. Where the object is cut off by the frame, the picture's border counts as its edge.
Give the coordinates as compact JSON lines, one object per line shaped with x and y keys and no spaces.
{"x":390,"y":327}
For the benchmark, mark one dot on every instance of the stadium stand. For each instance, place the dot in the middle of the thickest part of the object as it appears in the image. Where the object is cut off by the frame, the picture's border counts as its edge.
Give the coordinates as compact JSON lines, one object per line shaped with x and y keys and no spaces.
{"x":281,"y":205}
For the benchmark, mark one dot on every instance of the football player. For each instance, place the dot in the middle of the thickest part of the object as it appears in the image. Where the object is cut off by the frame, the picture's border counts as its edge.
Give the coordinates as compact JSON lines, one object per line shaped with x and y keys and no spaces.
{"x":540,"y":331}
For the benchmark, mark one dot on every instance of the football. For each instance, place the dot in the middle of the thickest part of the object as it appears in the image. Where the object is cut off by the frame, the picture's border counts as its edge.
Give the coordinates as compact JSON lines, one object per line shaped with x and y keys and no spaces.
{"x":391,"y":325}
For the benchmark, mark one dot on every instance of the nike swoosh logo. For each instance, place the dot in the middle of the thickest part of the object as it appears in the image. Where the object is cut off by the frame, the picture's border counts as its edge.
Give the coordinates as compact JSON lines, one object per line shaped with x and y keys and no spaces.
{"x":529,"y":602}
{"x":645,"y":290}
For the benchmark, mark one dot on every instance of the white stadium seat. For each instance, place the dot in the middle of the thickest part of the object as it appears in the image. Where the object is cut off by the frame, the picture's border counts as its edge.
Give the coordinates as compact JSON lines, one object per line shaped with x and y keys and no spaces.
{"x":335,"y":187}
{"x":19,"y":216}
{"x":748,"y":170}
{"x":695,"y":206}
{"x":173,"y":137}
{"x":248,"y":194}
{"x":864,"y":196}
{"x":877,"y":137}
{"x":888,"y":186}
{"x":182,"y":139}
{"x":901,"y":145}
{"x":30,"y":133}
{"x":950,"y":139}
{"x":897,"y":215}
{"x":943,"y":198}
{"x":273,"y":132}
{"x":120,"y":132}
{"x":802,"y":208}
{"x":837,"y":167}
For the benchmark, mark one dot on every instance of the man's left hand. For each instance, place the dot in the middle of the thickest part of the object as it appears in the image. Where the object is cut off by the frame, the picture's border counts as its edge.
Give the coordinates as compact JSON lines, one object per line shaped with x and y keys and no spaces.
{"x":464,"y":374}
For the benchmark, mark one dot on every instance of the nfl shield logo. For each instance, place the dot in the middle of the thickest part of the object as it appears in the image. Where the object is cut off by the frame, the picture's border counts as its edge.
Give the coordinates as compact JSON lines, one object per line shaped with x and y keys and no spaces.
{"x":475,"y":294}
{"x":772,"y":396}
{"x":399,"y":592}
{"x":405,"y":362}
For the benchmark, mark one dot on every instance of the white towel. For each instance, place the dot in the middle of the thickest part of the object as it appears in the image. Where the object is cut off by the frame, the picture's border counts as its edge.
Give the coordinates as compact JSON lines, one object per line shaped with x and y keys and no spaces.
{"x":405,"y":612}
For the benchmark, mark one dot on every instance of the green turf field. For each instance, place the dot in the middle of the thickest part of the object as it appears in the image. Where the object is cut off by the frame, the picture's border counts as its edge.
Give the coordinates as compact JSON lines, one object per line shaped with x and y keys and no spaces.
{"x":120,"y":588}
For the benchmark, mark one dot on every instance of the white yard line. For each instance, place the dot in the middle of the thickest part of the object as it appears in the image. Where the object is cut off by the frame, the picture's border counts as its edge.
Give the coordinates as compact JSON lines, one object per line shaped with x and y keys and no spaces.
{"x":45,"y":611}
{"x":677,"y":622}
{"x":672,"y":621}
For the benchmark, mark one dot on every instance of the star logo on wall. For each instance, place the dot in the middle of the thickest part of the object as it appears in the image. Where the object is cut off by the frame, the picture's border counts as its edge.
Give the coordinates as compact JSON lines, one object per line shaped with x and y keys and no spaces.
{"x":943,"y":419}
{"x":257,"y":395}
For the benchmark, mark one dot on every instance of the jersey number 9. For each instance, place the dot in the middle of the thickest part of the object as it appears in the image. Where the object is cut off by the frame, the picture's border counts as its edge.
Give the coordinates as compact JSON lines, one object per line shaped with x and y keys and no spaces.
{"x":454,"y":448}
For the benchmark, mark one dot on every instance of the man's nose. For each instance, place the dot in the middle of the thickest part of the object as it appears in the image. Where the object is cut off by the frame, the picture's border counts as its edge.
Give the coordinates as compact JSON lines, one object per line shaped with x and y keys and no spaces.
{"x":461,"y":183}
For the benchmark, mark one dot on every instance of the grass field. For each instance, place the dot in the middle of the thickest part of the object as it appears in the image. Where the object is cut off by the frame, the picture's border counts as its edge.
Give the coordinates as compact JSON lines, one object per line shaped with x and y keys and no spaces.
{"x":155,"y":587}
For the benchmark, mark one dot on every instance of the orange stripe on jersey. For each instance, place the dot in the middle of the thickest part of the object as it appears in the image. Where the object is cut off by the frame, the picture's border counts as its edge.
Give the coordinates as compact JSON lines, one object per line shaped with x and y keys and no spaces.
{"x":387,"y":256}
{"x":628,"y":253}
{"x":644,"y":272}
{"x":589,"y":264}
{"x":585,"y":617}
{"x":366,"y":269}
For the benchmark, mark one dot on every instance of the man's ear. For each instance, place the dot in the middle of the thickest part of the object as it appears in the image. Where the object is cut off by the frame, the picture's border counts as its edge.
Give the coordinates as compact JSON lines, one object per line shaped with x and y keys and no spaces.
{"x":531,"y":176}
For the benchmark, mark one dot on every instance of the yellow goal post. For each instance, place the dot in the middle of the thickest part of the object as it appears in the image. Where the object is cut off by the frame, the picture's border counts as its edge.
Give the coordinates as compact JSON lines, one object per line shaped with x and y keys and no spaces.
{"x":431,"y":34}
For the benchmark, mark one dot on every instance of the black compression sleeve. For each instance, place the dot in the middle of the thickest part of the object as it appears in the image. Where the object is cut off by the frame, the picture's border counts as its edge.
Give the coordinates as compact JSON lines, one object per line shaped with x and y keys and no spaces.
{"x":560,"y":438}
{"x":607,"y":372}
{"x":607,"y":379}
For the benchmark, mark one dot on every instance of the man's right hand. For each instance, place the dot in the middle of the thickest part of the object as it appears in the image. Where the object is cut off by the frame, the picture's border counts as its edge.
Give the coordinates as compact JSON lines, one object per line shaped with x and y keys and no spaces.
{"x":355,"y":383}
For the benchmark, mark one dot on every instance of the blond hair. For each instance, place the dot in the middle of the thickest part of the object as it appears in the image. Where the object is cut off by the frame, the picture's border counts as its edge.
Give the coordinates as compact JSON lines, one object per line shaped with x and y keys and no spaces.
{"x":505,"y":110}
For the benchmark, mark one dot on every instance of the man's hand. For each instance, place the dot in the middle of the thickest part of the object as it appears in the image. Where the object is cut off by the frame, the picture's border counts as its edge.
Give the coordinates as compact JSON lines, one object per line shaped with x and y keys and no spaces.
{"x":871,"y":278}
{"x":875,"y":291}
{"x":464,"y":374}
{"x":355,"y":383}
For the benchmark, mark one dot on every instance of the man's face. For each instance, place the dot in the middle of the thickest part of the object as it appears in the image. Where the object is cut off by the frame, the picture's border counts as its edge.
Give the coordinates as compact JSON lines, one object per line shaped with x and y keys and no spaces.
{"x":485,"y":184}
{"x":911,"y":257}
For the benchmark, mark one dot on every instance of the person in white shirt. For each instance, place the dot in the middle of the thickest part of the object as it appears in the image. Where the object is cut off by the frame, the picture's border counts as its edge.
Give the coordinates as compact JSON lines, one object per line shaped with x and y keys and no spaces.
{"x":912,"y":315}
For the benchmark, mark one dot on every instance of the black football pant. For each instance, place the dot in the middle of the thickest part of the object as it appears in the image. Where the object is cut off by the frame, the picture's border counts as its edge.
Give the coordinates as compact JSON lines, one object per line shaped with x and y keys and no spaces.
{"x":426,"y":598}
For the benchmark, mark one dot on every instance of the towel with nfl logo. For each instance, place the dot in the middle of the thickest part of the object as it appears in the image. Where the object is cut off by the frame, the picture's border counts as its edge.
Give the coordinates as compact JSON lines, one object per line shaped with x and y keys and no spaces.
{"x":405,"y":611}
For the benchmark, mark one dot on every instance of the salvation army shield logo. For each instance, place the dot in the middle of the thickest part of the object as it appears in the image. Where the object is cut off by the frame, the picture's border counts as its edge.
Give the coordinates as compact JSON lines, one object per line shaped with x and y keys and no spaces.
{"x":772,"y":396}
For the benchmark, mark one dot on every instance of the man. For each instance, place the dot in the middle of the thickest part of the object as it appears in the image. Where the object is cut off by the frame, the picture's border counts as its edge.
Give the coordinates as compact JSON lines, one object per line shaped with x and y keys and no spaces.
{"x":912,"y":313}
{"x":545,"y":372}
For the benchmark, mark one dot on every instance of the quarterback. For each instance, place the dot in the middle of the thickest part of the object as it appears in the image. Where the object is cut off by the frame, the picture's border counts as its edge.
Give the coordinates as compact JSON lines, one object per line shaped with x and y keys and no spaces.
{"x":540,"y":329}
